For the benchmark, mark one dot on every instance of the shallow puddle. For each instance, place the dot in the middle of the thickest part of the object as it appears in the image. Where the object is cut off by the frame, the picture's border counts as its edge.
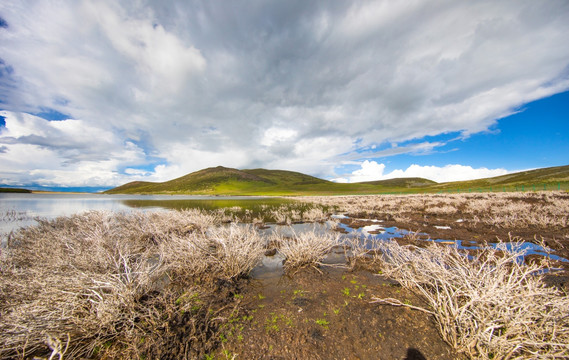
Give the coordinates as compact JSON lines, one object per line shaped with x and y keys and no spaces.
{"x":271,"y":266}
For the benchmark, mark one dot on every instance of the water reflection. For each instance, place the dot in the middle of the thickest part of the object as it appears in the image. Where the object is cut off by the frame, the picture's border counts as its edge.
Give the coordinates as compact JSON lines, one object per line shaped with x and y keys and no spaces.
{"x":19,"y":210}
{"x":254,"y":204}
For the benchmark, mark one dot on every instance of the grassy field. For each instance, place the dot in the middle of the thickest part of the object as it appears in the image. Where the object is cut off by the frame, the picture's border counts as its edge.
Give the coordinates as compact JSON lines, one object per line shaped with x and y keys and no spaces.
{"x":226,"y":181}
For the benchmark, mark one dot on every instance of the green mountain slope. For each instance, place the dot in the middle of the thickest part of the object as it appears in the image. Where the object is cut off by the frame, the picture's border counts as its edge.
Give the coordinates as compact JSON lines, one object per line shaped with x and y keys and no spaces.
{"x":408,"y":183}
{"x":538,"y":177}
{"x":226,"y":181}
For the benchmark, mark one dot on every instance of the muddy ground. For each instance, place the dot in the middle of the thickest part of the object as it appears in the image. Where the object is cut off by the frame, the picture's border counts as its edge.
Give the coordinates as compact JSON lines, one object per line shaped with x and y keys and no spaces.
{"x":329,"y":314}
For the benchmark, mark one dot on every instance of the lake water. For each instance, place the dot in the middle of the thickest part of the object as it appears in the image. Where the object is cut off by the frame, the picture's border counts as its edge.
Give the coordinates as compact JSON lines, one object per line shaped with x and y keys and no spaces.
{"x":17,"y":210}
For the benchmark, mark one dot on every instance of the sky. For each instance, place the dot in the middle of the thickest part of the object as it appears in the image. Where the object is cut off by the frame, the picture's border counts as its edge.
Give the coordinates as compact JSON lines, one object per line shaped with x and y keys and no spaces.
{"x":97,"y":93}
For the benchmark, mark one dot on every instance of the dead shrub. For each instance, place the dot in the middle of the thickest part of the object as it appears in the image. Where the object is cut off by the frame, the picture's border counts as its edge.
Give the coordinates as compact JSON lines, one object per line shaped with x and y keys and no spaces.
{"x":490,"y":305}
{"x":306,"y":249}
{"x":116,"y":285}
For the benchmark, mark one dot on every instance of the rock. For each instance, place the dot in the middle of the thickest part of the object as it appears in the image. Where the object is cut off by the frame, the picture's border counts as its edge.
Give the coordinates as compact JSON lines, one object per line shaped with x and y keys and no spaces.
{"x":271,"y":252}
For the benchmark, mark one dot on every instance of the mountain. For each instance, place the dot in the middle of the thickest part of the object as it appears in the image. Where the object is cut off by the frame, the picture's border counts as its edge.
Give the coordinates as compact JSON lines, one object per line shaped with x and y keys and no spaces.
{"x":227,"y":181}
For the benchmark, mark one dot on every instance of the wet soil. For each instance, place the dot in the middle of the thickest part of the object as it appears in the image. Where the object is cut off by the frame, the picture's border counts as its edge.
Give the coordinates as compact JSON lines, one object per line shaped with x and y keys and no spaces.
{"x":329,"y":314}
{"x":470,"y":233}
{"x":447,"y":229}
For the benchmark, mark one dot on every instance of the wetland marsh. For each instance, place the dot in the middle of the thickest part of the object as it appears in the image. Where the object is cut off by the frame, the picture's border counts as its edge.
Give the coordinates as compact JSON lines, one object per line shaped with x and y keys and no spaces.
{"x":314,"y":277}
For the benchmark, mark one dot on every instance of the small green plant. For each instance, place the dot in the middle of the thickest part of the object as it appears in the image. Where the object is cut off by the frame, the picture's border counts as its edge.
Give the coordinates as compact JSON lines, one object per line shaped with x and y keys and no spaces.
{"x":361,"y":295}
{"x":346,"y":291}
{"x":336,"y":311}
{"x":261,"y":296}
{"x":323,"y":322}
{"x":228,"y":354}
{"x":238,"y":296}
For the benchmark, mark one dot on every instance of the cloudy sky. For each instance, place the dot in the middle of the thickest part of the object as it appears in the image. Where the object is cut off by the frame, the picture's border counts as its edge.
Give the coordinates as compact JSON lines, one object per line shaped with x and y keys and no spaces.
{"x":96,"y":93}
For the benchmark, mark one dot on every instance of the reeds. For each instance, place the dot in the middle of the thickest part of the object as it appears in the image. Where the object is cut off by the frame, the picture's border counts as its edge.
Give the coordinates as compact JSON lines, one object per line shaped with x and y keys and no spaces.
{"x":489,"y":305}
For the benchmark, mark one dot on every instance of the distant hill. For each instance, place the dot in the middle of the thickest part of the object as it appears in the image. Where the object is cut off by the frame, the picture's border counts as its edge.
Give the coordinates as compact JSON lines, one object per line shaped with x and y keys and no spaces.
{"x":14,"y":190}
{"x":538,"y":177}
{"x":408,"y":183}
{"x":227,"y":181}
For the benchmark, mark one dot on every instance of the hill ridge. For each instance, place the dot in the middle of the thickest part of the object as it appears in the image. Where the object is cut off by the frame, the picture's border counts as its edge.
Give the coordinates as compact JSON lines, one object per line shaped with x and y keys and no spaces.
{"x":222,"y":180}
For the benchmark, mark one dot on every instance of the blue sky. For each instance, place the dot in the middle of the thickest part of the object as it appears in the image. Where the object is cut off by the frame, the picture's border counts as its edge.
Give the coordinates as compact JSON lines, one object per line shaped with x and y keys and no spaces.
{"x":536,"y":136}
{"x":94,"y":94}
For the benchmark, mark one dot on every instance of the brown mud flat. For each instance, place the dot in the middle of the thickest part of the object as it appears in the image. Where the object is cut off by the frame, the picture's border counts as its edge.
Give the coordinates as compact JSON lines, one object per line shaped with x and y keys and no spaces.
{"x":476,"y":235}
{"x":458,"y":218}
{"x":471,"y":224}
{"x":329,"y":314}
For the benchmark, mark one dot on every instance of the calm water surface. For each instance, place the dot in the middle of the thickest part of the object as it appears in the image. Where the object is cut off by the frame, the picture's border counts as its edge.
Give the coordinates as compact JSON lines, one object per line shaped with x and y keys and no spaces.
{"x":17,"y":210}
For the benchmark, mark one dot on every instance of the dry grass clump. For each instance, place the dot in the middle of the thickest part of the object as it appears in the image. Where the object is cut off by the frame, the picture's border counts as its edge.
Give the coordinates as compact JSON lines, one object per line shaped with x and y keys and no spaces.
{"x":120,"y":285}
{"x":234,"y":250}
{"x":489,"y":305}
{"x":305,"y":249}
{"x":315,"y":214}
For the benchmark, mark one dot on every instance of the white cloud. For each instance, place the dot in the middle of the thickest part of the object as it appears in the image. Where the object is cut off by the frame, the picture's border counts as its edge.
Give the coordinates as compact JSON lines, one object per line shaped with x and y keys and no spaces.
{"x":277,"y":135}
{"x":371,"y":171}
{"x":68,"y":152}
{"x":294,"y":85}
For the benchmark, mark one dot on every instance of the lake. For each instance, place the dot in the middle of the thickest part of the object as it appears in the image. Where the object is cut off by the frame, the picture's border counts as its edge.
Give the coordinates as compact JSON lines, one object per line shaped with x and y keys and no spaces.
{"x":17,"y":210}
